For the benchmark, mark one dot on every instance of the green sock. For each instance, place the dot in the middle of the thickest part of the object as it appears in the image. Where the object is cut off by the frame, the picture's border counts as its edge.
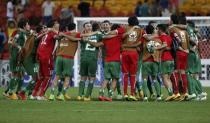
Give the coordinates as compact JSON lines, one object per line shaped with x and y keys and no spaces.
{"x":81,"y":88}
{"x":52,"y":91}
{"x":138,"y":86}
{"x":12,"y":84}
{"x":89,"y":89}
{"x":157,"y":88}
{"x":65,"y":90}
{"x":60,"y":87}
{"x":110,"y":94}
{"x":144,"y":87}
{"x":101,"y":92}
{"x":118,"y":88}
{"x":19,"y":84}
{"x":190,"y":84}
{"x":30,"y":87}
{"x":149,"y":85}
{"x":170,"y":91}
{"x":198,"y":86}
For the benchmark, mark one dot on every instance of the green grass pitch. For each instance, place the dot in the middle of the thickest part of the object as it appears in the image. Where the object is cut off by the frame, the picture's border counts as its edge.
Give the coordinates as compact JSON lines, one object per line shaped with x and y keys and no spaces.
{"x":103,"y":112}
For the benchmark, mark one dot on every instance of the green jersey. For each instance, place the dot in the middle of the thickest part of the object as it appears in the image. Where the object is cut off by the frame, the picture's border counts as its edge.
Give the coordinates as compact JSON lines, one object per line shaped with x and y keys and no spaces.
{"x":87,"y":49}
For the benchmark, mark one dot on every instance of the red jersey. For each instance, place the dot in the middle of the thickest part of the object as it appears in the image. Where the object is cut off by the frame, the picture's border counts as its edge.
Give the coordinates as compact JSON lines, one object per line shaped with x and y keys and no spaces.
{"x":112,"y":47}
{"x":46,"y":45}
{"x":166,"y":55}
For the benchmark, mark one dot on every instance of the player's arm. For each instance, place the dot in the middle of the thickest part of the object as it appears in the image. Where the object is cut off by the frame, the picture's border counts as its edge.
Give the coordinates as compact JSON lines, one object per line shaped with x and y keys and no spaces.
{"x":89,"y":34}
{"x":69,"y":37}
{"x":149,"y":36}
{"x":95,"y":44}
{"x":108,"y":36}
{"x":163,"y":47}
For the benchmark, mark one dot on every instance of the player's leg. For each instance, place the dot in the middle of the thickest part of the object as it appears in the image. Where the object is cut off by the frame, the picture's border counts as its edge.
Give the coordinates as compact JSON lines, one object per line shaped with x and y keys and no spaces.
{"x":83,"y":73}
{"x":92,"y":68}
{"x":125,"y":71}
{"x":167,"y":68}
{"x":107,"y":78}
{"x":68,"y":63}
{"x":156,"y":83}
{"x":133,"y":65}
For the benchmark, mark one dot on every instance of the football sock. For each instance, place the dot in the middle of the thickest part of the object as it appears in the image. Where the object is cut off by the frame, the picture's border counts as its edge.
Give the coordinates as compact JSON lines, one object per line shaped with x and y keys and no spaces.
{"x":157,"y":88}
{"x":89,"y":89}
{"x":81,"y":88}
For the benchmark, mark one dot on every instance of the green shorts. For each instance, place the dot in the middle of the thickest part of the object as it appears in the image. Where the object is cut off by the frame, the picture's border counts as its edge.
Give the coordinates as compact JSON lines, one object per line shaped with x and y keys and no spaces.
{"x":194,"y":63}
{"x":88,"y":66}
{"x":150,"y":68}
{"x":29,"y":66}
{"x":111,"y":70}
{"x":13,"y":63}
{"x":167,"y":67}
{"x":64,"y":66}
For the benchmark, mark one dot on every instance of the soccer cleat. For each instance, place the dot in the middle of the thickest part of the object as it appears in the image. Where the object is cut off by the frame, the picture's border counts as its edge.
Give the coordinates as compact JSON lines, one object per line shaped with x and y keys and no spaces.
{"x":126,"y":97}
{"x":22,"y":95}
{"x":5,"y":94}
{"x":60,"y":97}
{"x":204,"y":98}
{"x":183,"y":97}
{"x":67,"y":97}
{"x":79,"y":98}
{"x":101,"y":98}
{"x":159,"y":99}
{"x":204,"y":94}
{"x":13,"y":96}
{"x":51,"y":97}
{"x":40,"y":98}
{"x":141,"y":95}
{"x":31,"y":97}
{"x":192,"y":96}
{"x":152,"y":96}
{"x":145,"y":99}
{"x":170,"y":98}
{"x":176,"y":96}
{"x":108,"y":99}
{"x":119,"y":97}
{"x":132,"y":98}
{"x":87,"y":99}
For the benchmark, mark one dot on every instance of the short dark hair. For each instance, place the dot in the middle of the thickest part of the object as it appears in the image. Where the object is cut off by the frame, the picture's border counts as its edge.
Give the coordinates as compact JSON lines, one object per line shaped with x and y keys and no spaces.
{"x":51,"y":23}
{"x":115,"y":26}
{"x":133,"y":21}
{"x":95,"y":26}
{"x":106,"y":21}
{"x":150,"y":22}
{"x":86,"y":23}
{"x":22,"y":23}
{"x":71,"y":26}
{"x":39,"y":28}
{"x":149,"y":29}
{"x":162,"y":27}
{"x":182,"y":18}
{"x":174,"y":19}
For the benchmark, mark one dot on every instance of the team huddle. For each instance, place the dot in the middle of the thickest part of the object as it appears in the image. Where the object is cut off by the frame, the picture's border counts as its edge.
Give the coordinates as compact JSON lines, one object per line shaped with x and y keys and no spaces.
{"x":165,"y":54}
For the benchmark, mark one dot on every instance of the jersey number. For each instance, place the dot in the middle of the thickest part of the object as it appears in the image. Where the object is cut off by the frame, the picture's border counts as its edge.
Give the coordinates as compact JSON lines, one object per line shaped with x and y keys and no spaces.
{"x":90,"y":47}
{"x":44,"y":40}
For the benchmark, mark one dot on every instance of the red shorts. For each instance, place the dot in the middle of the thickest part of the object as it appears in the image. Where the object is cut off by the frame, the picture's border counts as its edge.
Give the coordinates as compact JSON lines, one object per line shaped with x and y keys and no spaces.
{"x":45,"y":66}
{"x":129,"y":62}
{"x":181,"y":60}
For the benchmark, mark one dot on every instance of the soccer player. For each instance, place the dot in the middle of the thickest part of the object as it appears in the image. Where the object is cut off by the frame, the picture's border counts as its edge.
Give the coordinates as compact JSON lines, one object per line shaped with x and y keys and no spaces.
{"x":167,"y":61}
{"x":194,"y":64}
{"x":181,"y":38}
{"x":88,"y":62}
{"x":111,"y":44}
{"x":151,"y":61}
{"x":45,"y":59}
{"x":130,"y":55}
{"x":15,"y":64}
{"x":66,"y":50}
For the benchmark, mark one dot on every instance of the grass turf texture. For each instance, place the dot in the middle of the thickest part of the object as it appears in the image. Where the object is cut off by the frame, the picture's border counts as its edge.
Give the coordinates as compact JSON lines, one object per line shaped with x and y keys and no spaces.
{"x":103,"y":112}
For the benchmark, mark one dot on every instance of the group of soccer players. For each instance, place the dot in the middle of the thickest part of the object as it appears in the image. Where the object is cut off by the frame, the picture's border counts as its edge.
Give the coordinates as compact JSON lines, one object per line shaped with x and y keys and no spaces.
{"x":163,"y":53}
